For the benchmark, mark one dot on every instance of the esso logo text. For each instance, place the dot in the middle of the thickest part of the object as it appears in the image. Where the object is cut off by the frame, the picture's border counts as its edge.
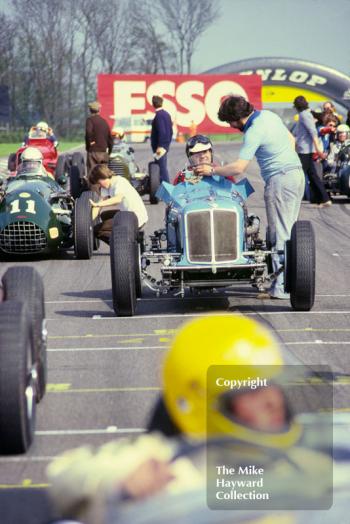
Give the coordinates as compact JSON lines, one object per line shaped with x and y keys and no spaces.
{"x":190,"y":99}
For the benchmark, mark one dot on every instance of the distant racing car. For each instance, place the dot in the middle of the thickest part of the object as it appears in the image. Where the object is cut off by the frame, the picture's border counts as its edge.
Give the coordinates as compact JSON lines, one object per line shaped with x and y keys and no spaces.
{"x":122,"y":162}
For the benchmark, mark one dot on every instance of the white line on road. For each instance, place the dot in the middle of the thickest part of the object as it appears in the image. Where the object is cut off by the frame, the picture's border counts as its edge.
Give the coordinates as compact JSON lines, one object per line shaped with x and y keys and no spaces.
{"x":106,"y":431}
{"x":209,"y":313}
{"x":243,"y":295}
{"x":91,"y":301}
{"x":122,"y":348}
{"x":26,"y":459}
{"x":319,"y":343}
{"x":139,"y":348}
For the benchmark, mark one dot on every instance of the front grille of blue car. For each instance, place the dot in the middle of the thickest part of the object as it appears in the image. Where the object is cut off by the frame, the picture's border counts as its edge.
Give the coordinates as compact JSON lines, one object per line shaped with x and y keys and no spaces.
{"x":22,"y":237}
{"x":116,"y":166}
{"x":211,"y":236}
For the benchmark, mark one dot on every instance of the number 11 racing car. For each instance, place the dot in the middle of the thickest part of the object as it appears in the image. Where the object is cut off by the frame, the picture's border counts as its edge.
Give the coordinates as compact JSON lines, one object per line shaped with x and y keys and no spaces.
{"x":209,"y":242}
{"x":38,"y":217}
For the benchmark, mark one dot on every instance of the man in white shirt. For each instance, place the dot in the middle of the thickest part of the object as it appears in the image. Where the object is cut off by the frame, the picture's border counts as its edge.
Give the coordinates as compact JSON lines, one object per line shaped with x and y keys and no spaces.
{"x":115,"y":191}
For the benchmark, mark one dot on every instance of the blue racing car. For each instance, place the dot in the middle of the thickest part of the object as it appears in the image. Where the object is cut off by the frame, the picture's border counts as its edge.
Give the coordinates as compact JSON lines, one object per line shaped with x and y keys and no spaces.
{"x":209,"y":241}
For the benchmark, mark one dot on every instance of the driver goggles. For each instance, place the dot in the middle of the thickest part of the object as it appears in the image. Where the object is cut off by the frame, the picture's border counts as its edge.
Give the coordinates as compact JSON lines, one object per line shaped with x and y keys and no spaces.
{"x":198,"y":139}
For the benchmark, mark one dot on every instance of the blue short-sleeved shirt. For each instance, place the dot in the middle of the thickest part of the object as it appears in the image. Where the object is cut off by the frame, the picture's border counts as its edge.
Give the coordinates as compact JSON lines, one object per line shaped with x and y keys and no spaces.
{"x":267,"y":138}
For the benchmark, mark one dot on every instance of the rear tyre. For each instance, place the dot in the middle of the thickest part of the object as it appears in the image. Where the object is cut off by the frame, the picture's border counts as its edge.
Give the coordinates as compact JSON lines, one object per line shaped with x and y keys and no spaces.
{"x":24,"y":284}
{"x":154,"y":181}
{"x":123,"y":248}
{"x":75,"y":182}
{"x":83,"y":226}
{"x":17,"y":391}
{"x":344,"y":181}
{"x":76,"y":175}
{"x":138,"y":281}
{"x":79,"y":162}
{"x":61,"y":167}
{"x":11,"y":162}
{"x":301,"y":266}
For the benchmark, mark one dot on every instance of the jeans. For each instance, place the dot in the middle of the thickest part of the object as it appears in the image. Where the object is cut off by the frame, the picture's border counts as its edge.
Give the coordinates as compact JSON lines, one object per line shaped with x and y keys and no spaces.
{"x":283,"y":194}
{"x":162,"y":162}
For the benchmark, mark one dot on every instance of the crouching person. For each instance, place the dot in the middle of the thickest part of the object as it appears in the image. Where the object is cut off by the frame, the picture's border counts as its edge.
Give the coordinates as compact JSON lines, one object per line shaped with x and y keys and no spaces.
{"x":117,"y":194}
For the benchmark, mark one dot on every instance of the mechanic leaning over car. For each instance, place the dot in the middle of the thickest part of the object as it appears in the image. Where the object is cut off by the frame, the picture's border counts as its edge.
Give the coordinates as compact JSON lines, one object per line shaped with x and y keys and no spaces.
{"x":267,"y":138}
{"x":98,"y":137}
{"x":94,"y":484}
{"x":114,"y":191}
{"x":161,"y":135}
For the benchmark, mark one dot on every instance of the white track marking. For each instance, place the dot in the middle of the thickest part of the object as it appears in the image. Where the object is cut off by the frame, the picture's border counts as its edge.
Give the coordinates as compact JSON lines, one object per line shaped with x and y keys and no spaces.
{"x":108,"y":431}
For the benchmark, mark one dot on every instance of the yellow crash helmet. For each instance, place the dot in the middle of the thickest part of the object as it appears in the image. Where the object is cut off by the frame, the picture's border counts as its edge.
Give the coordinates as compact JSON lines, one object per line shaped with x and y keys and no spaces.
{"x":223,"y":341}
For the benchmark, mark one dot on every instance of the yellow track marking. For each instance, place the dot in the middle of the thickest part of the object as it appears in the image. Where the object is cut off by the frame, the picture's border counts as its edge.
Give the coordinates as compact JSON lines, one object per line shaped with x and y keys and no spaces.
{"x":67,"y":388}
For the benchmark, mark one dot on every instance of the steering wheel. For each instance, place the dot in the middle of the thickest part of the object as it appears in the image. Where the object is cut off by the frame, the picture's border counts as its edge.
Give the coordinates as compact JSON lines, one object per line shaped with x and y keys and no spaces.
{"x":190,"y":176}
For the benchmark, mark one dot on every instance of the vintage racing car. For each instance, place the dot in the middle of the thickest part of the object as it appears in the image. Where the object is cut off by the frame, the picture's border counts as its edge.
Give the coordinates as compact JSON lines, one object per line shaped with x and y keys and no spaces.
{"x":23,"y":367}
{"x":337,"y":181}
{"x":71,"y":166}
{"x":37,"y":216}
{"x":122,"y":162}
{"x":209,"y":242}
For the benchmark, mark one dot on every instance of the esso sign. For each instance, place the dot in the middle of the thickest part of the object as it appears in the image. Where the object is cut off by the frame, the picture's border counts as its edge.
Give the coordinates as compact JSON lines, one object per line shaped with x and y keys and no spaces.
{"x":188,"y":98}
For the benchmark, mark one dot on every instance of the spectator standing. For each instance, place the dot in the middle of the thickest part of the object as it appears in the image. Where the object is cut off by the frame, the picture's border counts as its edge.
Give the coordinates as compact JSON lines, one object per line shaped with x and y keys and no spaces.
{"x":307,"y":143}
{"x":161,"y":135}
{"x":98,"y":138}
{"x":330,"y":108}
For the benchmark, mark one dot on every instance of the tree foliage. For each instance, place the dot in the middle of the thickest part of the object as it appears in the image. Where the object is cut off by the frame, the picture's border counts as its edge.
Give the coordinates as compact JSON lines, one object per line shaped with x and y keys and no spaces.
{"x":51,"y":54}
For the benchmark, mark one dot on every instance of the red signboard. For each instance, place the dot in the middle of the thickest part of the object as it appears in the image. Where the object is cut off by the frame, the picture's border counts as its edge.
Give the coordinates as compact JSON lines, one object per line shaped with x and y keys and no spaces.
{"x":188,"y":98}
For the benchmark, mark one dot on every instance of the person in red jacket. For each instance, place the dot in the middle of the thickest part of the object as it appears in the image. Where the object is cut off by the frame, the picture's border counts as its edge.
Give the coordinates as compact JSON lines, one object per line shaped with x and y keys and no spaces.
{"x":199,"y":150}
{"x":98,"y":138}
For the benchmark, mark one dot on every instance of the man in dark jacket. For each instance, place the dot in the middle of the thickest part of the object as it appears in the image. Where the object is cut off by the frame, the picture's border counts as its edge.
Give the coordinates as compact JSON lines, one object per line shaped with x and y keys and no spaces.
{"x":162,"y":132}
{"x":98,"y":138}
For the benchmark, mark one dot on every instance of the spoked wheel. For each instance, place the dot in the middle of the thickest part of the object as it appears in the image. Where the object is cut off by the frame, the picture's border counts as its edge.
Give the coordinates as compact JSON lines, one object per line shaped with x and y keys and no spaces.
{"x":17,"y":388}
{"x":83,"y":226}
{"x":300,"y":266}
{"x":24,"y":284}
{"x":124,"y":263}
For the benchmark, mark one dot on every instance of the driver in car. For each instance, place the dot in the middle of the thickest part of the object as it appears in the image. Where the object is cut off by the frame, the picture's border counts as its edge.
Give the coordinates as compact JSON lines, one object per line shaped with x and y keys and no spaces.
{"x":41,"y":130}
{"x":199,"y":151}
{"x":32,"y":162}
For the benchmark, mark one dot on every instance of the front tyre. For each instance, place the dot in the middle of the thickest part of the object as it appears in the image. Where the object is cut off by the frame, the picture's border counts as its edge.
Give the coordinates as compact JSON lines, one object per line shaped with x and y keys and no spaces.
{"x":83,"y":226}
{"x":17,"y":390}
{"x":300,"y":266}
{"x":24,"y":284}
{"x":154,"y":181}
{"x":123,"y":250}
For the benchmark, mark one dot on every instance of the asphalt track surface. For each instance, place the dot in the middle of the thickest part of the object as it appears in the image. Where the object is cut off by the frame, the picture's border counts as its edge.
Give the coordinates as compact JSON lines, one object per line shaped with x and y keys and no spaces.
{"x":104,"y":371}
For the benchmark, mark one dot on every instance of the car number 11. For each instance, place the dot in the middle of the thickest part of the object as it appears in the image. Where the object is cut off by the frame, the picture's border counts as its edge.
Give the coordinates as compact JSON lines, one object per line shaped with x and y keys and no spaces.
{"x":30,"y":206}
